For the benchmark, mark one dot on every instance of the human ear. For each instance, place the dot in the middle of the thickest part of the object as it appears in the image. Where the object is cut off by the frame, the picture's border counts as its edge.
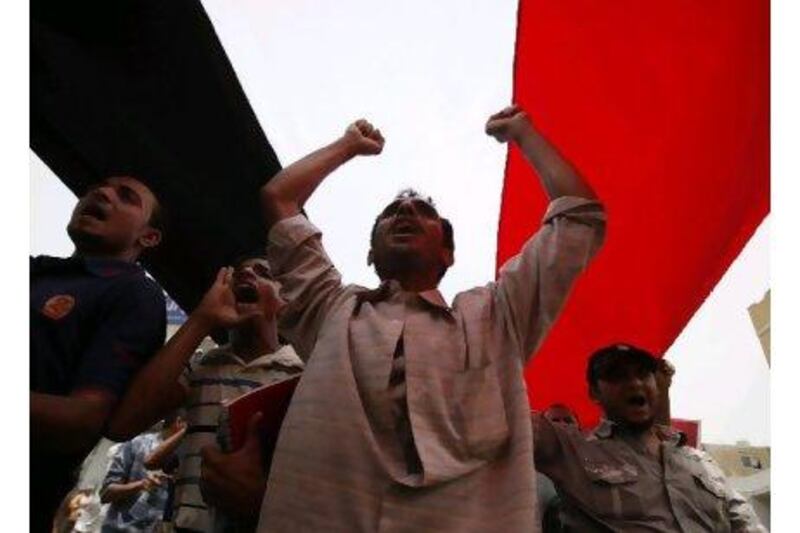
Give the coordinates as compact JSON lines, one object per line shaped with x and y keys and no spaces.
{"x":594,"y":394}
{"x":150,"y":238}
{"x":448,"y":257}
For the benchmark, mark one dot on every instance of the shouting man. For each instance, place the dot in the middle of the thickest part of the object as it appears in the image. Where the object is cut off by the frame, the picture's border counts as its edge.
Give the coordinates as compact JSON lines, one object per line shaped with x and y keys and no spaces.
{"x":631,"y":473}
{"x":412,"y":414}
{"x":95,"y":318}
{"x":244,"y":299}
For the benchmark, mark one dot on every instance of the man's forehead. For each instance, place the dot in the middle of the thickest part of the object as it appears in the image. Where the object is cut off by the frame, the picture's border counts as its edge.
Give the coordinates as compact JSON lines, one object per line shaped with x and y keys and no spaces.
{"x":624,"y":364}
{"x":131,"y":181}
{"x":253,"y":261}
{"x":410,"y":198}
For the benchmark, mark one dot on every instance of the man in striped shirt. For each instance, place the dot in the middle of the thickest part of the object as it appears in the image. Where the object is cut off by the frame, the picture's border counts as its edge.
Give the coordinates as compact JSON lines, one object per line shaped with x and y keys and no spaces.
{"x":244,"y":299}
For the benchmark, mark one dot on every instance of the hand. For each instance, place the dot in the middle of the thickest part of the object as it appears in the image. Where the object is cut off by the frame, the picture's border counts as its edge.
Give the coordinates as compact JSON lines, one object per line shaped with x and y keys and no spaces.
{"x":235,"y":482}
{"x":664,"y":372}
{"x":153,"y":480}
{"x":219,"y":306}
{"x":178,"y":426}
{"x":363,"y":138}
{"x":509,"y":124}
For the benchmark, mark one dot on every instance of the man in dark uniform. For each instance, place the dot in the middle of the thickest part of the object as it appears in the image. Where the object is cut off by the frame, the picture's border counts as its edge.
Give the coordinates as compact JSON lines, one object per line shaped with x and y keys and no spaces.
{"x":94,"y":319}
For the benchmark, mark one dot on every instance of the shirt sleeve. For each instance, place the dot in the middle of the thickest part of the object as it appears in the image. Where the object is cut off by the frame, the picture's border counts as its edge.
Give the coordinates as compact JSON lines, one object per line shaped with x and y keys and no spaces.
{"x":554,"y":446}
{"x":130,"y":327}
{"x":533,"y":286}
{"x":309,"y":282}
{"x":121,"y":463}
{"x":742,"y":516}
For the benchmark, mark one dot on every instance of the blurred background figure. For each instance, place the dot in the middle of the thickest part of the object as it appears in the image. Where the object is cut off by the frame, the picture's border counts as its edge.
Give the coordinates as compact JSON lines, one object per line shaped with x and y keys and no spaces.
{"x":137,"y":495}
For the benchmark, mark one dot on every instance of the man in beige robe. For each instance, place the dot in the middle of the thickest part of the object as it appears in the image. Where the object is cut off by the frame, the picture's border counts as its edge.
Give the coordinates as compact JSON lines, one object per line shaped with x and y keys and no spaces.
{"x":412,"y":414}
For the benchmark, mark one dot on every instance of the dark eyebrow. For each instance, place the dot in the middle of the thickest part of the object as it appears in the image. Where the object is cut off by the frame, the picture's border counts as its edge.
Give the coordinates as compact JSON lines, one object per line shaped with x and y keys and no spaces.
{"x":389,"y":208}
{"x":132,"y":193}
{"x":262,"y":270}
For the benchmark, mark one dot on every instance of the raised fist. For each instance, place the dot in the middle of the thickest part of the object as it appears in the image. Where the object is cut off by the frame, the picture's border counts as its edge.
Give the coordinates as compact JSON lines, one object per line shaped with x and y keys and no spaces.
{"x":508,"y":124}
{"x":363,"y":138}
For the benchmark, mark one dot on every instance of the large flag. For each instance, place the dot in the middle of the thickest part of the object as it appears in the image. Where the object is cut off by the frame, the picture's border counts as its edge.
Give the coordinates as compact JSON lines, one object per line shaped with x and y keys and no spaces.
{"x":664,"y":107}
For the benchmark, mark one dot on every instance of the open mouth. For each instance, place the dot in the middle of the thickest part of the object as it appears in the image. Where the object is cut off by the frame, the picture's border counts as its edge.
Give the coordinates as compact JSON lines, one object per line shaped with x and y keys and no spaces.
{"x":405,"y":228}
{"x":637,"y":400}
{"x":94,"y":210}
{"x":245,"y":293}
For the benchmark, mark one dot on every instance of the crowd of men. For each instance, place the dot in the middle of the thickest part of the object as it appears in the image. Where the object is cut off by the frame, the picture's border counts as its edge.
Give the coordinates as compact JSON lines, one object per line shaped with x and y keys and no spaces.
{"x":411,"y":413}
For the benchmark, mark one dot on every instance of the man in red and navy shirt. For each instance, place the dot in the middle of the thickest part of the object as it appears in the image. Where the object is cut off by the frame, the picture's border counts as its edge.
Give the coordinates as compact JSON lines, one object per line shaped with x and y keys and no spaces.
{"x":95,"y":319}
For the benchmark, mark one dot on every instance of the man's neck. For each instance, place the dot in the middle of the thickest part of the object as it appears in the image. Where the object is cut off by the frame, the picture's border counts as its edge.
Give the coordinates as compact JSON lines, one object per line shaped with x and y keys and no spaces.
{"x":255,"y":338}
{"x":414,"y":281}
{"x":129,"y":256}
{"x":645,"y":436}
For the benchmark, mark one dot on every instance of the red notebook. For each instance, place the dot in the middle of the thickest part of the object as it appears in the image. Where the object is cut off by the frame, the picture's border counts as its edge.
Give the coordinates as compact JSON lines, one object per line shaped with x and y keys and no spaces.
{"x":271,"y":400}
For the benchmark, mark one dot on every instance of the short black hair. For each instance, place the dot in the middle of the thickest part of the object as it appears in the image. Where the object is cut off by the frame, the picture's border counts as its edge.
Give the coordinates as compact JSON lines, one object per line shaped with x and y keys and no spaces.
{"x":159,"y":217}
{"x":601,"y":360}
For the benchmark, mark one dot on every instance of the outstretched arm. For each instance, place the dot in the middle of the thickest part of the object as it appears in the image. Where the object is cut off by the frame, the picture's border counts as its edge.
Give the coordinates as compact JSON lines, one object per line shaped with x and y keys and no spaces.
{"x":286,"y":193}
{"x":532,"y":287}
{"x":66,"y":424}
{"x":156,"y":391}
{"x":664,"y":374}
{"x":559,"y":177}
{"x":158,"y":458}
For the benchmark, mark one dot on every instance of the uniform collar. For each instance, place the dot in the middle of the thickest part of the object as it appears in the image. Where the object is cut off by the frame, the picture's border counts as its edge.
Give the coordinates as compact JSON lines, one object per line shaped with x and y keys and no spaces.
{"x":606,"y":429}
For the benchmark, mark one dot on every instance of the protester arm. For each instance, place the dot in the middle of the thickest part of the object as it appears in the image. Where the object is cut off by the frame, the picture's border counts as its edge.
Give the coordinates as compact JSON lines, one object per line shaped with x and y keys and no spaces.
{"x":533,"y":286}
{"x":546,"y":444}
{"x":286,"y":193}
{"x":132,"y":328}
{"x":156,"y":390}
{"x":742,"y":516}
{"x":160,"y":456}
{"x":116,"y":486}
{"x":310,"y":284}
{"x":558,"y":176}
{"x":664,"y":374}
{"x":68,"y":424}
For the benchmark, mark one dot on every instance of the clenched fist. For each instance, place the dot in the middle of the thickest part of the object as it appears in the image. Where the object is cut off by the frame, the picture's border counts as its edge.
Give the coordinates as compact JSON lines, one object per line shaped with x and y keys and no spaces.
{"x":363,"y":138}
{"x":509,"y":124}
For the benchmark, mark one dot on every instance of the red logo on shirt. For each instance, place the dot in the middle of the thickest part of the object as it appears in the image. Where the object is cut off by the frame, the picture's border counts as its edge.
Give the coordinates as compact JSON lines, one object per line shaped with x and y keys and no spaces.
{"x":59,"y":306}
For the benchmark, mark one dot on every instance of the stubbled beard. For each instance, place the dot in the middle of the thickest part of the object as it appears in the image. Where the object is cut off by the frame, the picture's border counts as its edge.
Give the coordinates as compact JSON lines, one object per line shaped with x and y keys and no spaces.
{"x":86,"y":242}
{"x":395,"y":264}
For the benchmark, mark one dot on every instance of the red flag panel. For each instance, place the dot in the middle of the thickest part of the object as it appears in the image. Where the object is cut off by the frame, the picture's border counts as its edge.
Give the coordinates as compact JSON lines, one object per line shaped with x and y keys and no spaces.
{"x":664,"y":106}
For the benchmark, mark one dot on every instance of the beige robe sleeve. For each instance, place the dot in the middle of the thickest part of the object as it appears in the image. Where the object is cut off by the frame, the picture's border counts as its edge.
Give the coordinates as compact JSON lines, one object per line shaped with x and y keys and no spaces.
{"x":533,"y":286}
{"x":309,"y":282}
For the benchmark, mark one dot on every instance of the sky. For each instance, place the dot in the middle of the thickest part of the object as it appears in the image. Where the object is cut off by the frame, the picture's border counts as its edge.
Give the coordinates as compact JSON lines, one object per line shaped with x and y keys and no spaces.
{"x":429,"y":74}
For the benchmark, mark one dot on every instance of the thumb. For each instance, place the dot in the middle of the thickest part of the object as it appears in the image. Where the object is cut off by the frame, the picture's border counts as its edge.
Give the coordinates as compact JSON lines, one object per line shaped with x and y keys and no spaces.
{"x":253,"y":436}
